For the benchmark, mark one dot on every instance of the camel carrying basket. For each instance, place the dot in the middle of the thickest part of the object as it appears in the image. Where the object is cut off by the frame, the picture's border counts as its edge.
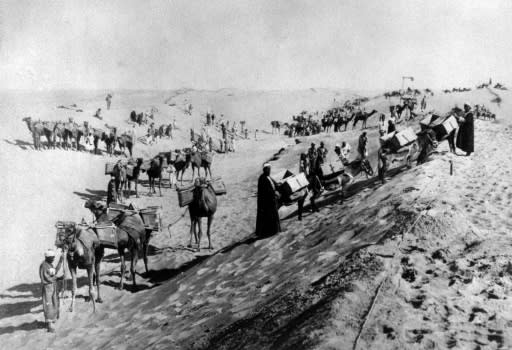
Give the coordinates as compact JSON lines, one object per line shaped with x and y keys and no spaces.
{"x":107,"y":235}
{"x":185,"y":195}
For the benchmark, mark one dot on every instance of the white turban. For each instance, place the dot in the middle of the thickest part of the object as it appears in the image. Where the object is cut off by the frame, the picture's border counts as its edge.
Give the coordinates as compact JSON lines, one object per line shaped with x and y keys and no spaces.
{"x":49,"y":253}
{"x":266,"y":165}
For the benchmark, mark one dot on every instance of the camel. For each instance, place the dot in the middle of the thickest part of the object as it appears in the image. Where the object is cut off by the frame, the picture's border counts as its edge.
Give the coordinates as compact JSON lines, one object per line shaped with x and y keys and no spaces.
{"x":125,"y":142}
{"x":110,"y":139}
{"x":155,"y":172}
{"x":120,"y":179}
{"x":133,"y":178}
{"x":181,"y":163}
{"x":36,"y":129}
{"x":63,"y":134}
{"x":276,"y":125}
{"x":201,"y":160}
{"x":83,"y":251}
{"x":204,"y":204}
{"x":131,"y":235}
{"x":363,"y":116}
{"x":77,"y":132}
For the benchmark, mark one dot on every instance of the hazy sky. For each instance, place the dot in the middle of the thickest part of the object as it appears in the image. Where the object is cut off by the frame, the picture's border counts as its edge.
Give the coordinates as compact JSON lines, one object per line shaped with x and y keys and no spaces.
{"x":253,"y":44}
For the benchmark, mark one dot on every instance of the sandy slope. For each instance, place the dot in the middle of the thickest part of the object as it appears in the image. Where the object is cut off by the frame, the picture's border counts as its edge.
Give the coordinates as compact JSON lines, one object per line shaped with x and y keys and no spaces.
{"x":305,"y":287}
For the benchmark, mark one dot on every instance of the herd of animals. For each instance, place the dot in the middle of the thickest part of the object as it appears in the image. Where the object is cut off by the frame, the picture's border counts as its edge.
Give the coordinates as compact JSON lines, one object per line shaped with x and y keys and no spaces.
{"x":68,"y":135}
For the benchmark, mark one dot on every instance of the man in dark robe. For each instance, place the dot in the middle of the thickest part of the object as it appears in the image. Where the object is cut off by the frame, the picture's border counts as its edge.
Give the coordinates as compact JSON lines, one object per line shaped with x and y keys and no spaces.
{"x":48,"y":273}
{"x":267,"y":217}
{"x":111,"y":191}
{"x":391,"y":126}
{"x":466,"y":135}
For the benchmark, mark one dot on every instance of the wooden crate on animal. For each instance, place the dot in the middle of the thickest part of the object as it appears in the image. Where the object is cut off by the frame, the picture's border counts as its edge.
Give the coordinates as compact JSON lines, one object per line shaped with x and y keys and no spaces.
{"x":444,"y":126}
{"x":330,"y":170}
{"x":109,"y":168}
{"x":185,"y":195}
{"x":219,"y":187}
{"x":151,"y":217}
{"x":402,"y":138}
{"x":107,"y":235}
{"x":294,"y":183}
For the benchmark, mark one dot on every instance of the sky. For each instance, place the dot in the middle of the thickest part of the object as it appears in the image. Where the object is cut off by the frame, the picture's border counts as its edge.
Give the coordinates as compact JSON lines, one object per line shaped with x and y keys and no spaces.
{"x":263,"y":45}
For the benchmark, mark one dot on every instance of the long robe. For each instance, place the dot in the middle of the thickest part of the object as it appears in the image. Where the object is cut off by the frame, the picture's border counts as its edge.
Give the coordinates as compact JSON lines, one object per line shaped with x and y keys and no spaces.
{"x":49,"y":292}
{"x":466,"y":135}
{"x":267,"y":216}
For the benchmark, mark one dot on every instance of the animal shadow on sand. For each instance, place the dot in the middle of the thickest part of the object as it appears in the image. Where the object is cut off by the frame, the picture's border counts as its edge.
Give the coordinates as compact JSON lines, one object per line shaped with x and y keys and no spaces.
{"x":91,"y":194}
{"x":21,"y":144}
{"x":27,"y":326}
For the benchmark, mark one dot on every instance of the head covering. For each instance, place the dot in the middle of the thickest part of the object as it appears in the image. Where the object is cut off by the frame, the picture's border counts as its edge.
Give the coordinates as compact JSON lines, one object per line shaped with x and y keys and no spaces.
{"x":337,"y":145}
{"x":49,"y":254}
{"x":266,"y":165}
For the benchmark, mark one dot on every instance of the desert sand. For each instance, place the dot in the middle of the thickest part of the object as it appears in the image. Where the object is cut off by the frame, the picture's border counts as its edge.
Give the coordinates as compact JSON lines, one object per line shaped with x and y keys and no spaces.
{"x":421,"y":262}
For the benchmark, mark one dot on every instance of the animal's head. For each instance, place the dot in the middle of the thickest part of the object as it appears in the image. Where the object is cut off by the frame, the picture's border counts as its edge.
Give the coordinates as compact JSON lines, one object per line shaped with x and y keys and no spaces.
{"x":95,"y":207}
{"x":66,"y":233}
{"x":27,"y":119}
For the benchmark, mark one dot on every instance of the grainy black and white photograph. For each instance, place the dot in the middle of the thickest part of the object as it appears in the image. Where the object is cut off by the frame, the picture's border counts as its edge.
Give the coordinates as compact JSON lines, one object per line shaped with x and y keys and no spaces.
{"x":261,"y":174}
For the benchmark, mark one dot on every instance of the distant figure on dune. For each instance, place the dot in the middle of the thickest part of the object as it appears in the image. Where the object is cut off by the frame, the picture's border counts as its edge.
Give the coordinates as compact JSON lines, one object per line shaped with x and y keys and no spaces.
{"x":98,"y":114}
{"x":466,"y":135}
{"x":109,"y":101}
{"x":48,"y":275}
{"x":267,"y":216}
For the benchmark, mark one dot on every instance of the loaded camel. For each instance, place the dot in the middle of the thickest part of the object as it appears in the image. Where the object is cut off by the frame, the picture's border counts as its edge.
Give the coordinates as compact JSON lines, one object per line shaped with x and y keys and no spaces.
{"x":154,"y":173}
{"x":204,"y":204}
{"x":134,"y":177}
{"x":130,"y":233}
{"x":201,"y":160}
{"x":83,"y":251}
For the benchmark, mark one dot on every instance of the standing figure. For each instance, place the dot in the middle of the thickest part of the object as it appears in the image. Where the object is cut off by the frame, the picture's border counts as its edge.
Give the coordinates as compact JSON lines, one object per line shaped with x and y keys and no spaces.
{"x":391,"y":126}
{"x":48,"y":273}
{"x":312,"y":157}
{"x":111,"y":190}
{"x":383,"y":164}
{"x":303,"y":164}
{"x":109,"y":101}
{"x":267,"y":215}
{"x":466,"y":135}
{"x":362,"y":146}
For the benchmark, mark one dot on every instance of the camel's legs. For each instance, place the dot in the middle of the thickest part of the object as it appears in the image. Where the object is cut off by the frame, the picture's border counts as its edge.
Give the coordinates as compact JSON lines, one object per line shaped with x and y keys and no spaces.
{"x":160,"y":185}
{"x":145,"y":250}
{"x":133,"y":265}
{"x":97,"y":262}
{"x":73,"y":289}
{"x":123,"y":267}
{"x":90,"y":275}
{"x":200,"y":233}
{"x":192,"y":228}
{"x":210,"y":220}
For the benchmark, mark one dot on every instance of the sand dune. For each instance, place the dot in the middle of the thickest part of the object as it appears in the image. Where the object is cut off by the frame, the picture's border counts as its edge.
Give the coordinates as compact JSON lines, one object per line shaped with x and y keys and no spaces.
{"x":445,"y":281}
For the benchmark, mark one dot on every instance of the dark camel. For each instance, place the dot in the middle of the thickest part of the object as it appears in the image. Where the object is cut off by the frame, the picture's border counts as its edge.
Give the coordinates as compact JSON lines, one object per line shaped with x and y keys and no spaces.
{"x":204,"y":204}
{"x":181,"y":163}
{"x":154,"y":173}
{"x":131,"y":235}
{"x":125,"y":142}
{"x":276,"y":125}
{"x":83,"y":251}
{"x":133,"y":178}
{"x":363,"y":116}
